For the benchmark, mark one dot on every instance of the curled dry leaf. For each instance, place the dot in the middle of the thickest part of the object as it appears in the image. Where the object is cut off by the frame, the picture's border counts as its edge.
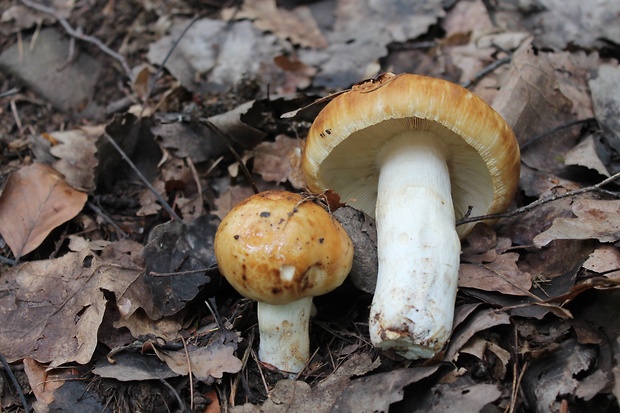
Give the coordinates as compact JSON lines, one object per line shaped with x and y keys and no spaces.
{"x":36,"y":200}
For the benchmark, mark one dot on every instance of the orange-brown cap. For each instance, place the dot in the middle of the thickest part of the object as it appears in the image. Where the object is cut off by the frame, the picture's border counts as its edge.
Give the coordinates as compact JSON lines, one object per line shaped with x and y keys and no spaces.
{"x":276,"y":247}
{"x":347,"y":135}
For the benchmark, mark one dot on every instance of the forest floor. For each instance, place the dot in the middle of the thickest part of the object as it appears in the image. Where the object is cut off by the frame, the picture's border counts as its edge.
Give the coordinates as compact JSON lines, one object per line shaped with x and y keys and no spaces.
{"x":114,"y":181}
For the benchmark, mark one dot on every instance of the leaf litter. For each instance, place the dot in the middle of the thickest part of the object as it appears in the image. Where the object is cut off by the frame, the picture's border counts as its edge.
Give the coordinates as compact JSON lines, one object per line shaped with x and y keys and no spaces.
{"x":108,"y":280}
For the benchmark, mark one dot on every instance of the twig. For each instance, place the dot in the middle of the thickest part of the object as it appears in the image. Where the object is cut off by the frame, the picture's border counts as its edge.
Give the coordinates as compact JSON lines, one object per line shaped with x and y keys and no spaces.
{"x":9,"y":92}
{"x":225,"y":136}
{"x":486,"y":70}
{"x":554,"y":130}
{"x":160,"y":69}
{"x":9,"y":372}
{"x":81,"y":36}
{"x":542,"y":201}
{"x":244,"y":362}
{"x":189,"y":370}
{"x":169,"y":386}
{"x":7,"y":260}
{"x":158,"y":196}
{"x":106,"y":218}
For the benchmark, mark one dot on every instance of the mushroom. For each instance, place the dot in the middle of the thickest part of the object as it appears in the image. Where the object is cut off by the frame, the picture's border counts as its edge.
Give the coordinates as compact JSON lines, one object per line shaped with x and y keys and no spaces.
{"x":280,"y":250}
{"x":416,"y":153}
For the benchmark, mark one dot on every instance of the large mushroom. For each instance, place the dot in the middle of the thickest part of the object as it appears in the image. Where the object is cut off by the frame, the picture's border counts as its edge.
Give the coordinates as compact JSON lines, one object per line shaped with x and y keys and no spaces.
{"x":281,"y":250}
{"x":416,"y":153}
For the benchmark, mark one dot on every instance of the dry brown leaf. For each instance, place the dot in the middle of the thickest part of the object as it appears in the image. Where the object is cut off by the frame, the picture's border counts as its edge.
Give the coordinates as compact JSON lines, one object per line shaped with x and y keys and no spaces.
{"x":479,"y":321}
{"x":585,"y":154}
{"x":229,"y":198}
{"x":76,"y":152}
{"x":562,"y":24}
{"x":207,"y":362}
{"x":36,"y":200}
{"x":501,"y":275}
{"x":298,"y":396}
{"x":148,"y":200}
{"x":569,"y":370}
{"x":607,"y":103}
{"x":604,"y":259}
{"x":52,"y":309}
{"x":297,"y":25}
{"x":458,"y":398}
{"x":140,"y":326}
{"x":279,"y":161}
{"x":41,"y":381}
{"x":130,"y":366}
{"x":532,"y":104}
{"x":595,"y":219}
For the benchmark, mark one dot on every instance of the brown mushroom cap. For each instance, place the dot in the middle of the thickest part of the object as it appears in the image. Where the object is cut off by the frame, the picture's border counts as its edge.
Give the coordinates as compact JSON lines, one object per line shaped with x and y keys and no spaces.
{"x":275,"y":247}
{"x":347,"y":135}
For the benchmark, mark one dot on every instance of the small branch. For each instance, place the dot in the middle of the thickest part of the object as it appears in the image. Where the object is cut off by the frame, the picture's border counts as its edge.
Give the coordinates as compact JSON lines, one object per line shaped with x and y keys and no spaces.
{"x":7,"y":261}
{"x":81,"y":36}
{"x":160,"y":69}
{"x":485,"y":71}
{"x":158,"y":196}
{"x":225,"y":136}
{"x":554,"y":130}
{"x":107,"y":219}
{"x":542,"y":201}
{"x":9,"y":372}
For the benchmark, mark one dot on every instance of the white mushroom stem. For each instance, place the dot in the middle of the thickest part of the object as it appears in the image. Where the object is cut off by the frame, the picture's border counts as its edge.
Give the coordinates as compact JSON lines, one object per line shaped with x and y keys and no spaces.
{"x":418,"y":248}
{"x":284,"y":334}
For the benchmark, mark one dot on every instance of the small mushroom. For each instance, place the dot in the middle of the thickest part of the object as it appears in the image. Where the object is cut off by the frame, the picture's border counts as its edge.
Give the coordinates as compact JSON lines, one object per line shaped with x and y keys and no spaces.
{"x":281,"y":250}
{"x":416,"y":153}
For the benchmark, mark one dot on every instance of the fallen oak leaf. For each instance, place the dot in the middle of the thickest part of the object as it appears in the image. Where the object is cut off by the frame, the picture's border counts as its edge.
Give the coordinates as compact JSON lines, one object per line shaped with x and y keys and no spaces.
{"x":36,"y":200}
{"x":502,"y":275}
{"x":207,"y":363}
{"x":51,"y":310}
{"x":76,"y":151}
{"x":595,"y":219}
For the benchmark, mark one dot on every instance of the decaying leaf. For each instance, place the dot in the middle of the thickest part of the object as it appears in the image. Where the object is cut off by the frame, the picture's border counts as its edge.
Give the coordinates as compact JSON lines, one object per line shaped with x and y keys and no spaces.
{"x":76,"y":152}
{"x":607,"y":103}
{"x":564,"y":372}
{"x":52,"y":309}
{"x":501,"y":275}
{"x":133,"y":367}
{"x":225,"y":52}
{"x":36,"y":200}
{"x":298,"y":396}
{"x":41,"y":381}
{"x":584,"y":154}
{"x":176,"y":247}
{"x":457,"y":398}
{"x":479,"y":321}
{"x":595,"y":219}
{"x":208,"y":362}
{"x":604,"y":260}
{"x":563,"y":23}
{"x":279,"y":161}
{"x":532,"y":104}
{"x":296,"y":24}
{"x":377,"y":392}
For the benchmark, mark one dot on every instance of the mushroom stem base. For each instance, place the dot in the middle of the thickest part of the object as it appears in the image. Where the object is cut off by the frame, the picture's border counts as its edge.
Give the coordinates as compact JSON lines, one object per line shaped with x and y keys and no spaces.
{"x":418,"y":248}
{"x":284,"y":334}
